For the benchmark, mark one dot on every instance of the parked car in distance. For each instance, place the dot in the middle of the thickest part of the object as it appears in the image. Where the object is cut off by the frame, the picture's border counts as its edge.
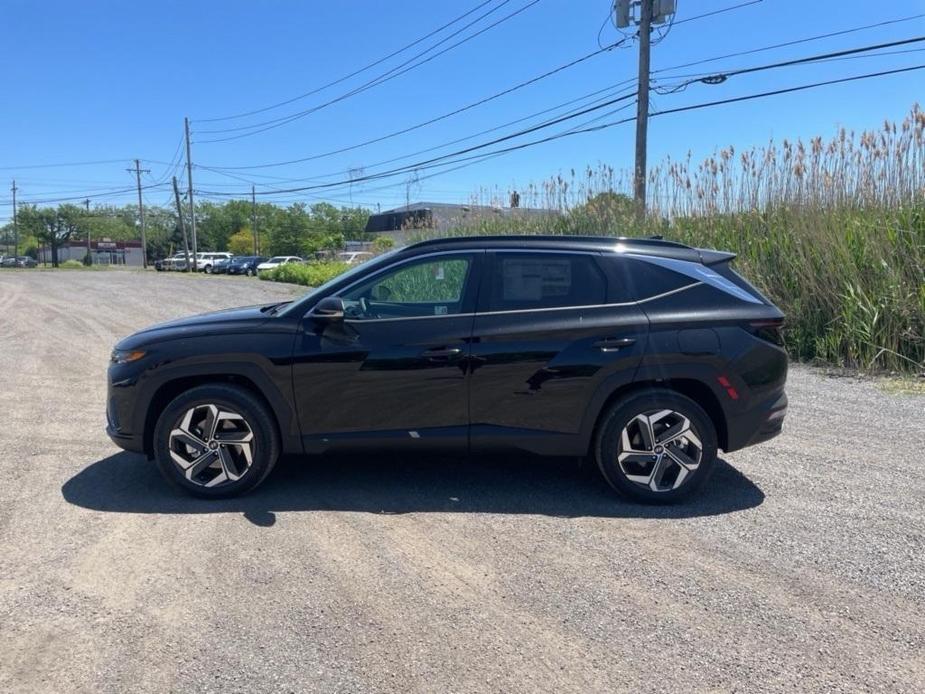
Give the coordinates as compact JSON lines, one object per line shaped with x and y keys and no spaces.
{"x":17,"y":261}
{"x":167,"y":263}
{"x":643,"y":355}
{"x":206,"y":261}
{"x":244,"y":265}
{"x":354,"y":257}
{"x":220,"y":266}
{"x":278,"y":260}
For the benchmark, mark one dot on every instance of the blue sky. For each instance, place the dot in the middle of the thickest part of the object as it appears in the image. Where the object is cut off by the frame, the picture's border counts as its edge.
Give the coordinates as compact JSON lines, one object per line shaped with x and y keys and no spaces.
{"x":113,"y":80}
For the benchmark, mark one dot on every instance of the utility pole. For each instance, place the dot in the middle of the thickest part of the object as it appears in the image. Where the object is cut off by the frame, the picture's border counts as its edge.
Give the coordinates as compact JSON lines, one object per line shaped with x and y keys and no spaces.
{"x":87,"y":205}
{"x":15,"y":228}
{"x":176,"y":194}
{"x":254,"y":218}
{"x":141,"y":213}
{"x":642,"y":109}
{"x":192,"y":204}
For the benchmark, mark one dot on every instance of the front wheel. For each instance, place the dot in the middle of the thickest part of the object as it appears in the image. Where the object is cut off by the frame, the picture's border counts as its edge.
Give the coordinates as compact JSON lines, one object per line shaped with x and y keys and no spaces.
{"x":216,"y":441}
{"x":249,"y":272}
{"x":657,"y":446}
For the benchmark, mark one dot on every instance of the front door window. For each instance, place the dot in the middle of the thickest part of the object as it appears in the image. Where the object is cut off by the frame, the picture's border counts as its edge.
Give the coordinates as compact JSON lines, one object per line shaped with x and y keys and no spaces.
{"x":428,"y":287}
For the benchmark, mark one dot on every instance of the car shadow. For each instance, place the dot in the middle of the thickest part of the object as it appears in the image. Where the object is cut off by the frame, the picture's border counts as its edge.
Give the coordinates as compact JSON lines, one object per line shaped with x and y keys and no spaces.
{"x":128,"y":483}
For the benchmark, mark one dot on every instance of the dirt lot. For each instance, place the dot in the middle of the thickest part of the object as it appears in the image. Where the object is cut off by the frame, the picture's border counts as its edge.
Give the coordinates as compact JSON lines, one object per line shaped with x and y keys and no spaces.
{"x":802,"y":567}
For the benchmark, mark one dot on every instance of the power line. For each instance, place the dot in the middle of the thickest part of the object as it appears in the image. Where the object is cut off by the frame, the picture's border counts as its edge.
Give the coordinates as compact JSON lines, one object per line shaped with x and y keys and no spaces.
{"x":721,"y":77}
{"x":352,"y":74}
{"x":466,"y":150}
{"x":613,"y":90}
{"x":435,"y":163}
{"x":52,"y":166}
{"x":795,"y":42}
{"x":386,"y":77}
{"x":559,"y":69}
{"x":719,"y":11}
{"x":431,"y":121}
{"x":37,"y":201}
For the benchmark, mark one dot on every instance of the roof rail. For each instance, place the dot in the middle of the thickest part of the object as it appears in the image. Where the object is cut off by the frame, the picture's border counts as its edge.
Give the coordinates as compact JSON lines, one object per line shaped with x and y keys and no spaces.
{"x":553,"y":238}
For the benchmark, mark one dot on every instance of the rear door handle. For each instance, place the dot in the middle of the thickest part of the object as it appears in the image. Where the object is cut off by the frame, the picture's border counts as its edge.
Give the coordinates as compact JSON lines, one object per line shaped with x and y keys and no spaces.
{"x":612,"y":344}
{"x":441,"y":352}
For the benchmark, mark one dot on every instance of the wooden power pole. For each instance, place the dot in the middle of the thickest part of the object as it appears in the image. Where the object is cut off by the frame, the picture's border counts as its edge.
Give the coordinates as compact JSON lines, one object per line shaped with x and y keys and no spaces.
{"x":192,"y":204}
{"x":642,"y":108}
{"x":254,"y":218}
{"x":141,"y":213}
{"x":15,"y":227}
{"x":176,"y":194}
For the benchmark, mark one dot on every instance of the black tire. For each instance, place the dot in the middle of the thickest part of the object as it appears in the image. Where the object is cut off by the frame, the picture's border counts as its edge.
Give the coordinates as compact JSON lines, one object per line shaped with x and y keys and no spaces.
{"x":608,"y":444}
{"x":207,"y":269}
{"x":266,"y":445}
{"x":249,"y":272}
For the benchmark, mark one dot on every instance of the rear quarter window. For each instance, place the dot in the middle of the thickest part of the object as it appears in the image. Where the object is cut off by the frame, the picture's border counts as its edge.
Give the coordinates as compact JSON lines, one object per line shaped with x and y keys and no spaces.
{"x":635,"y":280}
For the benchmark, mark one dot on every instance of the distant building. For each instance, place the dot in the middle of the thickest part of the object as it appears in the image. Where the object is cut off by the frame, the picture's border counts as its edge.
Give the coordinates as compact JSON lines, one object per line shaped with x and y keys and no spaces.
{"x":408,"y":220}
{"x":102,"y":252}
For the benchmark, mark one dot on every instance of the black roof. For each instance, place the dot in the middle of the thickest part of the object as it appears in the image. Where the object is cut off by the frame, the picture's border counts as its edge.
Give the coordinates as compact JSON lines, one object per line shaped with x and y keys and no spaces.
{"x":641,"y":245}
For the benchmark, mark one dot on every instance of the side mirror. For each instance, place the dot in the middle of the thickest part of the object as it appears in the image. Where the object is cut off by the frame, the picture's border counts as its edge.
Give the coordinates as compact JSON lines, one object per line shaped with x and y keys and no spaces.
{"x":330,"y":308}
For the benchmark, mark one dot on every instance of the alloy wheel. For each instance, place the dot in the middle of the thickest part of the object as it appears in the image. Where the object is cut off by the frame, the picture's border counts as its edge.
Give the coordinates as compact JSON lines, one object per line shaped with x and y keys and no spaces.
{"x":212,"y":445}
{"x":659,"y":450}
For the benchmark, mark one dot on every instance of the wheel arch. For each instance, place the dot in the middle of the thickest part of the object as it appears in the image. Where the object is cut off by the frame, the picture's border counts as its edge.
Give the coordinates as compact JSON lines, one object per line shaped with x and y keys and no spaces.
{"x":696,"y":390}
{"x":170,"y":389}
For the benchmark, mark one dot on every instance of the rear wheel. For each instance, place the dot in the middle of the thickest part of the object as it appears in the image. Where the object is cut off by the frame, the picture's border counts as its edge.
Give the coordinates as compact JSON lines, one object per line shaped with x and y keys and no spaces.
{"x":657,"y":446}
{"x":216,"y":441}
{"x":249,"y":272}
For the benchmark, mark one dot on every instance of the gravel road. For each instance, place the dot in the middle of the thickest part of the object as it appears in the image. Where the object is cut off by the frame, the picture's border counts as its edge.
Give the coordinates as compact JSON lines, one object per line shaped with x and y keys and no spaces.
{"x":801,"y":567}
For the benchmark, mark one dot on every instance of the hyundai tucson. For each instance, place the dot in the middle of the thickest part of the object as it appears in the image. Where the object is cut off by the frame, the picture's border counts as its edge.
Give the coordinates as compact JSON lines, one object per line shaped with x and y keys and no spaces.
{"x":644,"y":355}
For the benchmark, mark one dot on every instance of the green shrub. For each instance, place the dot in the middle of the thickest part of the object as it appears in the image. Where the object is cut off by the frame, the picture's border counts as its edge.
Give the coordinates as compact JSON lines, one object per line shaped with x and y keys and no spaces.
{"x":308,"y":274}
{"x":71,"y":264}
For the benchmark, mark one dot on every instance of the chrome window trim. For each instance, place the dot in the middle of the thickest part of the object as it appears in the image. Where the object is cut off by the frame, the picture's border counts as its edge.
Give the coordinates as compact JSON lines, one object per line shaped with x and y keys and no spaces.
{"x":531,"y":310}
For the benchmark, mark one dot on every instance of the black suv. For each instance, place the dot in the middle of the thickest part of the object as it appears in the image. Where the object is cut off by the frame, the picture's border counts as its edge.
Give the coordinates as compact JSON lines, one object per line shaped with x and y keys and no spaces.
{"x":644,"y":354}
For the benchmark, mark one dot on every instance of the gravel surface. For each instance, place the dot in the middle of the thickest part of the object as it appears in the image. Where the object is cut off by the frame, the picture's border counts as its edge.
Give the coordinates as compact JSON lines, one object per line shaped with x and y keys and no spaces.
{"x":800,"y":567}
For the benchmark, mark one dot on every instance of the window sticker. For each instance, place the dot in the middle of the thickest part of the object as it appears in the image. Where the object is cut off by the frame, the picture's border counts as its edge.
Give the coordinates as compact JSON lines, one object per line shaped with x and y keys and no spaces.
{"x":532,"y":280}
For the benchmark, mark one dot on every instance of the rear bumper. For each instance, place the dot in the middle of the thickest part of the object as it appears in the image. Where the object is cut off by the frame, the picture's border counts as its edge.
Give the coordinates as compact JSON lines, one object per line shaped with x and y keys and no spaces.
{"x":757,"y":425}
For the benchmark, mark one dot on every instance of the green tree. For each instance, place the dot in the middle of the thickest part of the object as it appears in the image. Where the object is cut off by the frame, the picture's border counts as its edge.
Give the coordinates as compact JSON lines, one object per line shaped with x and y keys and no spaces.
{"x":54,"y":227}
{"x":241,"y":242}
{"x":289,"y":235}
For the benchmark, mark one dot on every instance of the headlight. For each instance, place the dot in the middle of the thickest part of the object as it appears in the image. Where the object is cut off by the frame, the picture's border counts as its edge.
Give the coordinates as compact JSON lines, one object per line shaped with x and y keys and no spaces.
{"x":124,"y":356}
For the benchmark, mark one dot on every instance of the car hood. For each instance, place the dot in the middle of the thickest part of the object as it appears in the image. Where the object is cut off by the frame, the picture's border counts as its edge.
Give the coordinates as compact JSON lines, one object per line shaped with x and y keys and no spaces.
{"x":230,"y":320}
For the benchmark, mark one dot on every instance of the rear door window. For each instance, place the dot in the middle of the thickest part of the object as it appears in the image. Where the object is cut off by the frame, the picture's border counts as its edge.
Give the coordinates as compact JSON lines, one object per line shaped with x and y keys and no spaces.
{"x":524,"y":281}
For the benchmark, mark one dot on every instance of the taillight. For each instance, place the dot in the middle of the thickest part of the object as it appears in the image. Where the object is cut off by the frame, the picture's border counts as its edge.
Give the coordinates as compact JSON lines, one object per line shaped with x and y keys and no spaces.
{"x":771,"y":330}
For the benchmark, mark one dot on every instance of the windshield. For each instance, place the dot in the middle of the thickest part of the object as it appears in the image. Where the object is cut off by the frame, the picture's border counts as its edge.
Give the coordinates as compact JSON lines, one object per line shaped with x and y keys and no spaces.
{"x":354,"y":271}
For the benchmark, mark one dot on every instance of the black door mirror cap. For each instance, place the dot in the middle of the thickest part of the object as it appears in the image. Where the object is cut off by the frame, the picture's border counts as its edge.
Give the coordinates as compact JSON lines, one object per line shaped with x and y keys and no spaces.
{"x":330,"y":308}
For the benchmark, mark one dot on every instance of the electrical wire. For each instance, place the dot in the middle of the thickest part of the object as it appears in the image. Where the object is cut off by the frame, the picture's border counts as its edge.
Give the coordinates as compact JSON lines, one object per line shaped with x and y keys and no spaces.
{"x":719,"y":78}
{"x":719,"y":11}
{"x":386,"y":77}
{"x":431,"y":121}
{"x":795,"y":42}
{"x":52,"y":166}
{"x":434,"y":163}
{"x":352,"y":74}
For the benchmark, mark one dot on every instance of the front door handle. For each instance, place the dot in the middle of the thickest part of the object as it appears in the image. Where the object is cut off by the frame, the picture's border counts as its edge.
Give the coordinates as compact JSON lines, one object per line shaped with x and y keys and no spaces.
{"x":612,"y":344}
{"x":441,"y":352}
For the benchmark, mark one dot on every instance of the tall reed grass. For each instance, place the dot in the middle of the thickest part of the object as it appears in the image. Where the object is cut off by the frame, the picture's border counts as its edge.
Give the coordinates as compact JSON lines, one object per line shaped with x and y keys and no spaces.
{"x":832,"y":230}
